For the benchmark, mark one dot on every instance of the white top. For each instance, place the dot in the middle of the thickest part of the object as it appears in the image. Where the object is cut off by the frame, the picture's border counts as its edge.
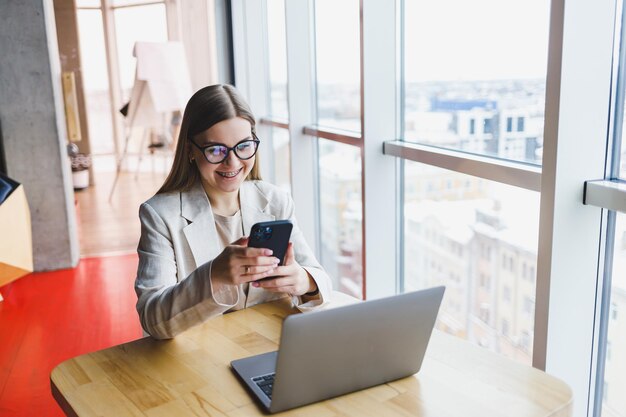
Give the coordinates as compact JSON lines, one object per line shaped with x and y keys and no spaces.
{"x":229,"y":229}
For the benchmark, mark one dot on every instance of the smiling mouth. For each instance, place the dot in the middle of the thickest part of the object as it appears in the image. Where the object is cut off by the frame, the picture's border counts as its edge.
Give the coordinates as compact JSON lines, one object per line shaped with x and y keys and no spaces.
{"x":230,"y":174}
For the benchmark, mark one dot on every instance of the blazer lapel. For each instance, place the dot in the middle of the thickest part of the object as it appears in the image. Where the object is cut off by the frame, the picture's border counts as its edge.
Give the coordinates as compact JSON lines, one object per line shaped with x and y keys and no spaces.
{"x":200,"y":233}
{"x":254,"y":206}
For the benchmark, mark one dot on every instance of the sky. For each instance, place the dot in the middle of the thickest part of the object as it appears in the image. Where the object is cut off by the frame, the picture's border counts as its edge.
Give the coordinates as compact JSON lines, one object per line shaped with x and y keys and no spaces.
{"x":444,"y":40}
{"x":476,"y":40}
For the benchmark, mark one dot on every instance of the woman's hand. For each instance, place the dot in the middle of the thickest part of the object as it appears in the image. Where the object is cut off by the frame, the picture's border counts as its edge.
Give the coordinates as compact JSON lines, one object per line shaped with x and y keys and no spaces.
{"x":238,"y":264}
{"x":290,"y":278}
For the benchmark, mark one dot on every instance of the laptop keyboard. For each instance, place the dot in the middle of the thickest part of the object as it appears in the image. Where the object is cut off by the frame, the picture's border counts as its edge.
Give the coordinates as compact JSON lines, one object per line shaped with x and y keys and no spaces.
{"x":265,"y":383}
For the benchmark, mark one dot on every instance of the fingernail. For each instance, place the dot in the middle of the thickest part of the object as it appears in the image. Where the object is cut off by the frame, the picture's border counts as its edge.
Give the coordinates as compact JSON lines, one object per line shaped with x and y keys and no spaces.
{"x":268,"y":252}
{"x":255,"y":284}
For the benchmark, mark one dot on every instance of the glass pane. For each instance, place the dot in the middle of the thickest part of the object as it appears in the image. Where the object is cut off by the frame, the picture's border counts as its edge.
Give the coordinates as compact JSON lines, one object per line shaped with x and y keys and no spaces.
{"x":338,"y":57}
{"x":282,"y":158}
{"x":153,"y":28}
{"x":475,"y":78}
{"x":117,"y":3}
{"x":277,"y":48}
{"x":614,"y":401}
{"x":622,"y":160}
{"x":479,"y":239}
{"x":87,"y":3}
{"x":95,"y":81}
{"x":341,"y":215}
{"x":622,"y":173}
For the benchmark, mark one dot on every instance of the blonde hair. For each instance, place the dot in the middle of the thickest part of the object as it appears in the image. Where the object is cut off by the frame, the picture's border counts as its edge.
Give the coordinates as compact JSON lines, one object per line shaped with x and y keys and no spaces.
{"x":207,"y":107}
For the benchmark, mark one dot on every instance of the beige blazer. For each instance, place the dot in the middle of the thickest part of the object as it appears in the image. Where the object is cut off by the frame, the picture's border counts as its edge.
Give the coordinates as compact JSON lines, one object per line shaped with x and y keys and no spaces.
{"x":178,"y":243}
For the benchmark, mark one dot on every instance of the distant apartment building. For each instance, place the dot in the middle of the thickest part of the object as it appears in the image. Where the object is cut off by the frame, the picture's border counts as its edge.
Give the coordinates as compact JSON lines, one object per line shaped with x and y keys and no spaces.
{"x":509,"y":127}
{"x":341,"y":218}
{"x":490,"y":278}
{"x":438,"y":252}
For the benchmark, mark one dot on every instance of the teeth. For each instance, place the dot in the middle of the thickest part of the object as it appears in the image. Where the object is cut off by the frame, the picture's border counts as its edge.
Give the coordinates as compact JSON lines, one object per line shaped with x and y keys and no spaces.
{"x":229,"y":174}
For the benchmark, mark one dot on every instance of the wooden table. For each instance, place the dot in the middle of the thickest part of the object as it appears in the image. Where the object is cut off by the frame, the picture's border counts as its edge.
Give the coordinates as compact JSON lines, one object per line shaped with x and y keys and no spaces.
{"x":190,"y":376}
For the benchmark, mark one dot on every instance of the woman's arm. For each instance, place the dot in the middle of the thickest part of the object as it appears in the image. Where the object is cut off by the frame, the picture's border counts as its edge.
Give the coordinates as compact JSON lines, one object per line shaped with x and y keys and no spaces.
{"x":166,"y":306}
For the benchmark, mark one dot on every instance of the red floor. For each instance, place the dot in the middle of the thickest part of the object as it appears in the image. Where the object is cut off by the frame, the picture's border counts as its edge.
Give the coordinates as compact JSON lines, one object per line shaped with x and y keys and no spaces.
{"x":49,"y":317}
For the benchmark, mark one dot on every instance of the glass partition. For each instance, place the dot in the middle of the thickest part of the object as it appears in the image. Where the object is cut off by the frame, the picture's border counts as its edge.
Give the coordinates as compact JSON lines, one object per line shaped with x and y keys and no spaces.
{"x":282,"y":158}
{"x":95,"y":81}
{"x":153,"y":28}
{"x":614,"y":384}
{"x":277,"y":54}
{"x":479,"y":239}
{"x":338,"y":73}
{"x":475,"y":75}
{"x":341,"y":215}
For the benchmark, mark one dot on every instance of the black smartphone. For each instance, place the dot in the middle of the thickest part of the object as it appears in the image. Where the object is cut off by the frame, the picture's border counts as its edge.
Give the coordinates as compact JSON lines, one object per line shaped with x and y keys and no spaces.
{"x":272,"y":235}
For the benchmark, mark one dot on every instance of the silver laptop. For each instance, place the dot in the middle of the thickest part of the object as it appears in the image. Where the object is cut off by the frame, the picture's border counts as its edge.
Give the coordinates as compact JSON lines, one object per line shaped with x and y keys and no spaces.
{"x":333,"y":352}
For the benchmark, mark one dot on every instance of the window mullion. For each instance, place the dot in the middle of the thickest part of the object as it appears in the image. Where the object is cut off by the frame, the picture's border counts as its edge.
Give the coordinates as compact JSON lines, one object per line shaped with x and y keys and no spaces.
{"x":300,"y":29}
{"x":380,"y":190}
{"x":578,"y":83}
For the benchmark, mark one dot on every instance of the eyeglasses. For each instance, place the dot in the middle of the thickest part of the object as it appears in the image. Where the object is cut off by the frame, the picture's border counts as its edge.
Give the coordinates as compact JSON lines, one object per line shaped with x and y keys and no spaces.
{"x":217,"y":153}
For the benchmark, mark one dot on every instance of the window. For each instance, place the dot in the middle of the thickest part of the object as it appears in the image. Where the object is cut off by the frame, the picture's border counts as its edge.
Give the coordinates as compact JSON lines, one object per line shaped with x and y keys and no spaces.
{"x":484,"y":215}
{"x":470,"y":153}
{"x":484,"y":314}
{"x":282,"y":165}
{"x":614,"y":401}
{"x":277,"y":53}
{"x":487,"y":126}
{"x":276,"y":121}
{"x":116,"y":22}
{"x":509,"y":124}
{"x":154,"y":29}
{"x":341,"y":215}
{"x":485,"y":281}
{"x":529,"y":305}
{"x":130,"y":2}
{"x":95,"y":81}
{"x":337,"y":50}
{"x":441,"y":91}
{"x":87,"y":3}
{"x":506,"y":294}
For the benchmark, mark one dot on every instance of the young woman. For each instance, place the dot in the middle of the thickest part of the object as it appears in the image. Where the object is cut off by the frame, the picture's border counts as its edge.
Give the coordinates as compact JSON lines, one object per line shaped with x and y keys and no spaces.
{"x":194,"y":262}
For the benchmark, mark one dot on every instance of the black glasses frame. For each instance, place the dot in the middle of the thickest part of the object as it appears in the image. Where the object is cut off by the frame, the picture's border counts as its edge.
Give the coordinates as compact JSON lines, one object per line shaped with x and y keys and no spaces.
{"x":228,"y":149}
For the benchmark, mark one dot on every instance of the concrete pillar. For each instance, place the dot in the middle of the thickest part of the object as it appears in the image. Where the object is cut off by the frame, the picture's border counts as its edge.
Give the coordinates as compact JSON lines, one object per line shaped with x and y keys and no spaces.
{"x":33,"y":128}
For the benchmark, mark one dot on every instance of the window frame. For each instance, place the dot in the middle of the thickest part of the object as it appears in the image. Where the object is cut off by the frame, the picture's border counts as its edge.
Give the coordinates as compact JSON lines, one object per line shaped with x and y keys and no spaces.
{"x":580,"y":65}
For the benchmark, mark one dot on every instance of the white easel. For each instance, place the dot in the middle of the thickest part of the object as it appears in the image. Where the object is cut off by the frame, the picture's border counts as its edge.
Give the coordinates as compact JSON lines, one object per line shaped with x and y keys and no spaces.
{"x":162,"y":86}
